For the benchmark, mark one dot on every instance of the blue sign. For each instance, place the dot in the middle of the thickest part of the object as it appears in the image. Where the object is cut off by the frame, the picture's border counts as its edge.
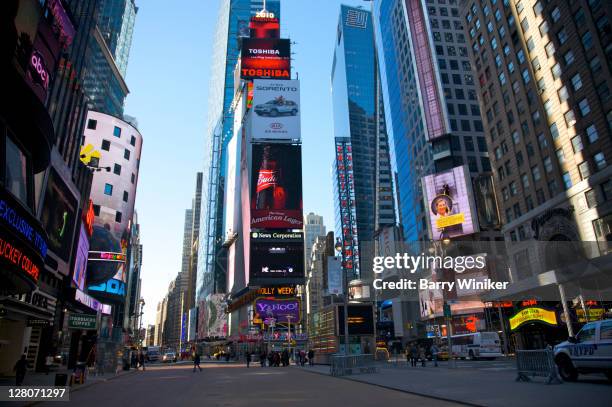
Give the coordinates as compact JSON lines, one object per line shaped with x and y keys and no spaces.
{"x":112,"y":286}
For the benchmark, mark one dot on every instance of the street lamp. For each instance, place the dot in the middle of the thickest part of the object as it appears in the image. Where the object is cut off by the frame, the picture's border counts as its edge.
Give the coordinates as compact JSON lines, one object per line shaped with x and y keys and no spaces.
{"x":338,"y":248}
{"x":141,"y":303}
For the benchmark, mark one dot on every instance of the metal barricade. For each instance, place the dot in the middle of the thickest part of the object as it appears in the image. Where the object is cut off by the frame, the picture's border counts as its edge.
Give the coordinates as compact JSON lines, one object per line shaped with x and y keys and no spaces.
{"x":536,"y":363}
{"x":343,"y":365}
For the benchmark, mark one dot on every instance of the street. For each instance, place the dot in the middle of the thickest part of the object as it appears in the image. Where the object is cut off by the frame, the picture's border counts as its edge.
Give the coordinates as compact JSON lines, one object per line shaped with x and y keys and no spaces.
{"x":235,"y":385}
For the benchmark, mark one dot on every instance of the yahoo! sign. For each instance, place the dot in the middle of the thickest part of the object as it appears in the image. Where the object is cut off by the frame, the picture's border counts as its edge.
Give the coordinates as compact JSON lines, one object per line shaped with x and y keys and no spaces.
{"x":283,"y":310}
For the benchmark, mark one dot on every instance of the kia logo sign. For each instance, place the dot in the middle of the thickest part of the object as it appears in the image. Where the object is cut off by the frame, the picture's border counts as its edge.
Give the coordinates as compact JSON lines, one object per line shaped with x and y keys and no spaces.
{"x":276,"y":126}
{"x":40,"y":75}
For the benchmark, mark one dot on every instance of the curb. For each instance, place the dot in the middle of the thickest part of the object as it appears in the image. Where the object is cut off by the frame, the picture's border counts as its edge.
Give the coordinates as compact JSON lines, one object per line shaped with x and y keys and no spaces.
{"x":465,"y":403}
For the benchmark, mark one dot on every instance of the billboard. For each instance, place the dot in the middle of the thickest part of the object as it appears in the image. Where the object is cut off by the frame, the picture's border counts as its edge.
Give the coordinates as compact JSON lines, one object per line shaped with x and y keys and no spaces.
{"x":276,"y":186}
{"x":283,"y":310}
{"x":276,"y":108}
{"x":191,"y":332}
{"x":486,"y":203}
{"x":265,"y":58}
{"x":334,"y":275}
{"x":277,"y":258}
{"x":448,"y":196}
{"x":80,"y":264}
{"x":264,"y":27}
{"x":59,"y":216}
{"x":216,"y":317}
{"x":360,"y":319}
{"x":202,"y":320}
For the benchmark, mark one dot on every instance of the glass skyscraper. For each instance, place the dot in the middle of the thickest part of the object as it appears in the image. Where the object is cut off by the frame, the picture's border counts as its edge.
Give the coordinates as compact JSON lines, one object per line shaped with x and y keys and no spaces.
{"x":116,"y":23}
{"x":359,"y":120}
{"x":233,"y":17}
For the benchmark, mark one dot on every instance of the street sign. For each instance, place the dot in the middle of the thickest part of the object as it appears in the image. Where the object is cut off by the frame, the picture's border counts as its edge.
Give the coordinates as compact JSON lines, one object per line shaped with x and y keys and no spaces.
{"x":447,"y":310}
{"x":82,"y":321}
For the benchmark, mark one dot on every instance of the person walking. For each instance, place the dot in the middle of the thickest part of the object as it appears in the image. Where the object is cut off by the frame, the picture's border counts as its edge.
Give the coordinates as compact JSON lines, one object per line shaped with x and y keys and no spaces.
{"x":422,"y":355}
{"x":434,"y":354}
{"x":413,"y":355}
{"x":196,"y":362}
{"x":311,"y":357}
{"x":20,"y":370}
{"x":262,"y":358}
{"x":248,"y":359}
{"x":141,"y":360}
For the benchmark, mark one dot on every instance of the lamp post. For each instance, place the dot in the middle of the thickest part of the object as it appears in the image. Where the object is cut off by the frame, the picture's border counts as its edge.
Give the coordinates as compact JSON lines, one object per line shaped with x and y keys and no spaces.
{"x":338,"y":248}
{"x":141,"y":303}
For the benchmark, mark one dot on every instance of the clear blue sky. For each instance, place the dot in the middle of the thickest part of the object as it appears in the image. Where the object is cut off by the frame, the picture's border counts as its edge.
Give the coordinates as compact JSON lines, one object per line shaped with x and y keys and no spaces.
{"x":168,"y":79}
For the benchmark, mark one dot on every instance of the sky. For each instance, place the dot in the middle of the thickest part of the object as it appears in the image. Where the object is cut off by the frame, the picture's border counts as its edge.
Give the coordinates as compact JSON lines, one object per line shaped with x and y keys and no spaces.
{"x":167,"y":76}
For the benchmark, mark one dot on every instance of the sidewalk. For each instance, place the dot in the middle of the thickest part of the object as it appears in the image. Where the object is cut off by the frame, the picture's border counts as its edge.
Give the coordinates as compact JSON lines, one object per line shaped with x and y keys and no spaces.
{"x":484,"y":388}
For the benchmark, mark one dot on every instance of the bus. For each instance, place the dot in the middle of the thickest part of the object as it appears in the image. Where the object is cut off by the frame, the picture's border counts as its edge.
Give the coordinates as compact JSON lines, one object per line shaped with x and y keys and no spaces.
{"x":478,"y":345}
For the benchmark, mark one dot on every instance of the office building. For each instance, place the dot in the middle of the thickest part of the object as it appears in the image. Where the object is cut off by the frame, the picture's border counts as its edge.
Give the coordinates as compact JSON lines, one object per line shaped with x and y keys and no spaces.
{"x":359,"y":120}
{"x":313,"y":227}
{"x":115,"y":21}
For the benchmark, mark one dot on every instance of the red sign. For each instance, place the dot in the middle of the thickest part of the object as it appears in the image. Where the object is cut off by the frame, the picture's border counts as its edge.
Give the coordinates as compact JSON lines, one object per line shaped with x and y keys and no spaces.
{"x":12,"y":254}
{"x":264,"y":27}
{"x":265,"y":58}
{"x":88,"y":218}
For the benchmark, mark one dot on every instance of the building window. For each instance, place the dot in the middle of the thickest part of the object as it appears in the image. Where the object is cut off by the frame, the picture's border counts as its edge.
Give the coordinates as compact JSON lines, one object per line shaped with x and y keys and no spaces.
{"x":563,"y":94}
{"x":133,"y":141}
{"x":567,"y":180}
{"x":542,"y":141}
{"x":550,"y":49}
{"x":118,"y":217}
{"x":117,"y":169}
{"x":516,"y":138}
{"x":554,"y":131}
{"x":576,"y":82}
{"x":126,"y":154}
{"x":108,"y":189}
{"x":17,"y":172}
{"x":560,"y":156}
{"x":105,"y":145}
{"x":96,"y":210}
{"x":570,"y":118}
{"x":543,"y":28}
{"x":600,"y":161}
{"x":133,"y":178}
{"x":555,"y":14}
{"x":577,"y":144}
{"x":583,"y":168}
{"x":568,"y":58}
{"x":553,"y":189}
{"x":519,"y":158}
{"x":117,"y":131}
{"x":535,"y":172}
{"x":517,"y":210}
{"x":125,"y":196}
{"x":540,"y":196}
{"x":592,"y":133}
{"x":591,"y":198}
{"x":525,"y":24}
{"x":525,"y":181}
{"x":469,"y":143}
{"x":595,"y":64}
{"x":562,"y":36}
{"x":556,"y":71}
{"x":606,"y":189}
{"x":92,"y":124}
{"x":587,"y":40}
{"x":548,"y":164}
{"x":584,"y":107}
{"x":526,"y":76}
{"x":505,"y":193}
{"x":513,"y":189}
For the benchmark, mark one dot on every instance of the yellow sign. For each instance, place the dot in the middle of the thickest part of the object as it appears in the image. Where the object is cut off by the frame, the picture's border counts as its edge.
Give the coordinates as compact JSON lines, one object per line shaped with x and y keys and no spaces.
{"x":532,"y":314}
{"x":446,"y":221}
{"x":87,"y":153}
{"x":595,"y":314}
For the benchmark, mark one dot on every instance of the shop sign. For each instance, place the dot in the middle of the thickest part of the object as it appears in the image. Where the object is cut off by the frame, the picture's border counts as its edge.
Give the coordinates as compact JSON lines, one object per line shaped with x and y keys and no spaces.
{"x":38,"y":322}
{"x":533,"y":314}
{"x":82,"y":321}
{"x":594,"y":314}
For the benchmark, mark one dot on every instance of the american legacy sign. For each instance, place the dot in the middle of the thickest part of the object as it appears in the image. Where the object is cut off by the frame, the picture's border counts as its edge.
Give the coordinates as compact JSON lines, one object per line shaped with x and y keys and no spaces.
{"x":265,"y":58}
{"x":276,"y":109}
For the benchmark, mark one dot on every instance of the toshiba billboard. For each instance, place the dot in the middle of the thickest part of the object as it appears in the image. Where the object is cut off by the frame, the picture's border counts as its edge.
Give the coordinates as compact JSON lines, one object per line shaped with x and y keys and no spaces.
{"x":265,"y":58}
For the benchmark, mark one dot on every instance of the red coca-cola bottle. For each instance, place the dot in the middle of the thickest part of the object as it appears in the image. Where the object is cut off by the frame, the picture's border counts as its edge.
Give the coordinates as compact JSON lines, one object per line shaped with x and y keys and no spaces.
{"x":270,"y":193}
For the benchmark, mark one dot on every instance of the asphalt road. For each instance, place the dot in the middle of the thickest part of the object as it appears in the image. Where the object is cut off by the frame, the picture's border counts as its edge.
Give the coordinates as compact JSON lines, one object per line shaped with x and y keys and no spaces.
{"x":235,"y":386}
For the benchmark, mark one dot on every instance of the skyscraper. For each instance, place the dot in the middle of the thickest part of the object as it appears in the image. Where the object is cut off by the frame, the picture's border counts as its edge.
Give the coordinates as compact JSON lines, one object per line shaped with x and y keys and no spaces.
{"x":313,"y":227}
{"x":359,"y":121}
{"x":429,"y":89}
{"x":233,"y":19}
{"x":187,"y":232}
{"x":116,"y":20}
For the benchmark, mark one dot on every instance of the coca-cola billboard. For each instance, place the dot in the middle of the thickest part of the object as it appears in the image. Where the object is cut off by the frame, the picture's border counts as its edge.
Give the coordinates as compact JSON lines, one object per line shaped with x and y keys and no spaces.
{"x":276,"y":186}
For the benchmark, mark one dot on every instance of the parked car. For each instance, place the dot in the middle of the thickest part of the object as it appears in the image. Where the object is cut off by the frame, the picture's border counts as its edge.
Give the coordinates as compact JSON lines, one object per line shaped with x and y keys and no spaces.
{"x":590,"y":351}
{"x":169,"y":357}
{"x":277,"y":107}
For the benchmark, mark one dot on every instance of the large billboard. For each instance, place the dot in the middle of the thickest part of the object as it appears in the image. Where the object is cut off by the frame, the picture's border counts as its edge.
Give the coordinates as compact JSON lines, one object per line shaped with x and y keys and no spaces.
{"x":80,"y":263}
{"x":276,"y":108}
{"x":59,"y":216}
{"x":449,"y":199}
{"x":334,"y":275}
{"x":202,"y":320}
{"x":264,"y":27}
{"x":277,"y":258}
{"x":265,"y":58}
{"x":283,"y":310}
{"x":216,"y":325}
{"x":276,"y":186}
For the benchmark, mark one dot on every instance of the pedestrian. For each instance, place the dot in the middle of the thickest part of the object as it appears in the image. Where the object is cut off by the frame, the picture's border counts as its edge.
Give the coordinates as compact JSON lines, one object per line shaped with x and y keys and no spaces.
{"x":20,"y":370}
{"x":134,"y":361}
{"x":413,"y":355}
{"x":141,"y":359}
{"x":422,"y":355}
{"x":302,"y":358}
{"x":434,"y":354}
{"x":248,"y":359}
{"x":311,"y":357}
{"x":262,"y":358}
{"x":277,"y":359}
{"x":196,"y":362}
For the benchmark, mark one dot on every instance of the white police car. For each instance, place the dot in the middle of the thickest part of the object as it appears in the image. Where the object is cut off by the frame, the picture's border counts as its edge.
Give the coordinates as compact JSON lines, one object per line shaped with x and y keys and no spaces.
{"x":590,"y":351}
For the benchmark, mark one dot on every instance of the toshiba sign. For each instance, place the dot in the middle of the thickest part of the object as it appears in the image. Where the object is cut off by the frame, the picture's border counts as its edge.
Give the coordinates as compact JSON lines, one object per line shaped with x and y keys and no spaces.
{"x":265,"y":58}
